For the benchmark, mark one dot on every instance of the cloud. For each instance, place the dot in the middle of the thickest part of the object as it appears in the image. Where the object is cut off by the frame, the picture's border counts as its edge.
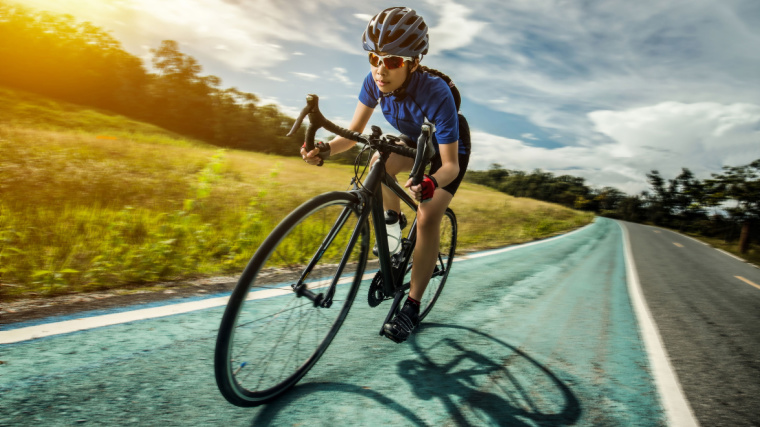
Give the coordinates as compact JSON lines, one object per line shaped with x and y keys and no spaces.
{"x":453,"y":30}
{"x":291,"y":111}
{"x":266,"y":74}
{"x":253,"y":31}
{"x":341,"y":75}
{"x":252,"y":40}
{"x":305,"y":76}
{"x":556,"y":61}
{"x":668,"y":136}
{"x":703,"y":136}
{"x":592,"y":164}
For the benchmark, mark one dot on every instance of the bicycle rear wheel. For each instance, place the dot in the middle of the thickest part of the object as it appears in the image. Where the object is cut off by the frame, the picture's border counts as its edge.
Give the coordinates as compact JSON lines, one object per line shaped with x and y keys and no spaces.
{"x":446,"y":248}
{"x":270,"y":336}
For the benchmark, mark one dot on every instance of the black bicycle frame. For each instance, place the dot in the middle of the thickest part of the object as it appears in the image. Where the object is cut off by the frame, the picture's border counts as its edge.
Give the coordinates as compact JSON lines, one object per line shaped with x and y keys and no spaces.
{"x":377,"y":176}
{"x":371,"y":196}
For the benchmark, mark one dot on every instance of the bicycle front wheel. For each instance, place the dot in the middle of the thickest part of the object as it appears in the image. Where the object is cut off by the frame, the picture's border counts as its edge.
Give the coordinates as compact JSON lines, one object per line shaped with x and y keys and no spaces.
{"x":271,"y":334}
{"x":446,"y":248}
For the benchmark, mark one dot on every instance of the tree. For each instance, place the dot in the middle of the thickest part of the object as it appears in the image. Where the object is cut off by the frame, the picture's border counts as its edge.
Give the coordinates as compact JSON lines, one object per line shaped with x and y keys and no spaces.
{"x":658,"y":200}
{"x":742,"y":185}
{"x":688,"y":201}
{"x":58,"y":57}
{"x":608,"y":198}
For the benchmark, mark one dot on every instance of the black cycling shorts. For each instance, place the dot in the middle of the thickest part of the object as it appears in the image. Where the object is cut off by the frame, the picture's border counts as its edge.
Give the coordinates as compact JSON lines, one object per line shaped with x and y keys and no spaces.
{"x":436,"y":164}
{"x":464,"y":159}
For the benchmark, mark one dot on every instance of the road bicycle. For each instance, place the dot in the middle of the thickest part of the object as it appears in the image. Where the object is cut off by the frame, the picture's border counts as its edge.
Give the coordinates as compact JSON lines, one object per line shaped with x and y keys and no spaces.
{"x":298,"y":287}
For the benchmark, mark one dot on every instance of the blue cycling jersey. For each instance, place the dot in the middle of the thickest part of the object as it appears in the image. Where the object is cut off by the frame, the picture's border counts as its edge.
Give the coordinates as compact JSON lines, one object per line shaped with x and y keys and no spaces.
{"x":428,"y":97}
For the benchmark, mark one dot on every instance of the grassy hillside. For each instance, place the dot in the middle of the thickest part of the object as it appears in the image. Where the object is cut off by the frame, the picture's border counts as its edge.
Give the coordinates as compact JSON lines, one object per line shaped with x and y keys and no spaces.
{"x":91,"y":201}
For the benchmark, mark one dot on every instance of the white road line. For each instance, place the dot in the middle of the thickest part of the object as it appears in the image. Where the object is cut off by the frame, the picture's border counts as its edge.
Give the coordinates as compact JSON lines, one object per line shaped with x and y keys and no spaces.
{"x":696,"y":240}
{"x":75,"y":325}
{"x":719,"y":250}
{"x":68,"y":326}
{"x":678,"y":234}
{"x":677,"y":408}
{"x":731,"y":255}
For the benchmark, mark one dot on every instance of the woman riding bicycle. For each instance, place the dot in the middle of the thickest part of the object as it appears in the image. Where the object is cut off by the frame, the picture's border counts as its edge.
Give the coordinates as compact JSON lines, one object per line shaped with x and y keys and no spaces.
{"x":408,"y":94}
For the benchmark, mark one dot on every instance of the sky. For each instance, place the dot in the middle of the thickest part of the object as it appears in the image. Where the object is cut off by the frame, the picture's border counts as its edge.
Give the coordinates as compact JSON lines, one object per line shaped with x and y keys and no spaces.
{"x":607,"y":90}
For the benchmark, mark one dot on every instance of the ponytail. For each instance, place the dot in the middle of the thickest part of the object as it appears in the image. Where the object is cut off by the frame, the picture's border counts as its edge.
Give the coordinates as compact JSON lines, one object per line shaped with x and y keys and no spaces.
{"x":447,"y":79}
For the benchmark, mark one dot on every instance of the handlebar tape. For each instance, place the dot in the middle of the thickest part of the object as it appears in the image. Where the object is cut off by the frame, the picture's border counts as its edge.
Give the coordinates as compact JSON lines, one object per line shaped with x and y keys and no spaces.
{"x":317,"y":121}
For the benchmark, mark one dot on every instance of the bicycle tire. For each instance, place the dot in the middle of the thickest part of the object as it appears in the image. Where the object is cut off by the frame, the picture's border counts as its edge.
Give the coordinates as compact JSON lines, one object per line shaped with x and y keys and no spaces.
{"x":447,"y":248}
{"x":269,"y":337}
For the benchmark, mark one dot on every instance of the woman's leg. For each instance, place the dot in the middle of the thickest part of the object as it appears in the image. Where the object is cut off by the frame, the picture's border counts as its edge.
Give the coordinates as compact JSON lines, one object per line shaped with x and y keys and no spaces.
{"x":429,"y":216}
{"x":393,"y":166}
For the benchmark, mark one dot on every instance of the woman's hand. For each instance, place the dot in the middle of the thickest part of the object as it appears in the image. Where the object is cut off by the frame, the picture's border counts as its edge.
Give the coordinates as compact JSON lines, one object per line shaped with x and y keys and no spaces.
{"x":311,"y":157}
{"x":424,"y":191}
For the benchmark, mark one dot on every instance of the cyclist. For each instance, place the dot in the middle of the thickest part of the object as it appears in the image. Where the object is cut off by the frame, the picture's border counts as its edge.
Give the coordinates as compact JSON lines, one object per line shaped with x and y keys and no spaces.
{"x":408,"y":93}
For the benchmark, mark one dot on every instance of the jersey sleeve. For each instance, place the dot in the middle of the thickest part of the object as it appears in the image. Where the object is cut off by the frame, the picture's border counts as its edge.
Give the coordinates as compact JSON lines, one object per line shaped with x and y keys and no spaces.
{"x":445,"y":115}
{"x":367,"y":94}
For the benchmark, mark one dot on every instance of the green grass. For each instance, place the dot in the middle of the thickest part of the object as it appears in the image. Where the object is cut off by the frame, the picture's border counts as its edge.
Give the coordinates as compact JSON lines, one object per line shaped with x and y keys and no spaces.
{"x":79,"y":212}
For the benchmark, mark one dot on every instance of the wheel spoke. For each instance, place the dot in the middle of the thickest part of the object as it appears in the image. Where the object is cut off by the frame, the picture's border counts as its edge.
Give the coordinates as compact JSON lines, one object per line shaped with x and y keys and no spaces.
{"x":268,"y":342}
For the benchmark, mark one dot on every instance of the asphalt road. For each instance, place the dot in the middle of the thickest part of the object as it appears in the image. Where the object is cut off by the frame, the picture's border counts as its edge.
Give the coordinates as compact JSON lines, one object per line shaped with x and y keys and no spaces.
{"x":540,"y":334}
{"x":709,"y":320}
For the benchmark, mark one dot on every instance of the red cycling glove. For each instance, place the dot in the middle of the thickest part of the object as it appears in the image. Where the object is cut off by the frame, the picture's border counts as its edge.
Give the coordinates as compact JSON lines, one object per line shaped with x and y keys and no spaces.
{"x":428,"y":184}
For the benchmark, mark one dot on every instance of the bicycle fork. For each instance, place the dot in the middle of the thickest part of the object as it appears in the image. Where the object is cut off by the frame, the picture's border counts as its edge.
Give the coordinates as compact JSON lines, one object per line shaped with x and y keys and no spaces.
{"x":325,"y":299}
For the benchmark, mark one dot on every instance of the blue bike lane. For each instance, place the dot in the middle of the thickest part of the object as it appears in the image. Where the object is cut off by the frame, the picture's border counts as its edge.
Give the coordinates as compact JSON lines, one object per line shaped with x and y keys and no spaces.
{"x":540,"y":334}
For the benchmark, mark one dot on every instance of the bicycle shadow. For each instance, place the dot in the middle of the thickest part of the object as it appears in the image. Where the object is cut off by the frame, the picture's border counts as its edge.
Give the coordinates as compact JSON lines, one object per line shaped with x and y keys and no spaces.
{"x":478,"y":378}
{"x":486,"y":387}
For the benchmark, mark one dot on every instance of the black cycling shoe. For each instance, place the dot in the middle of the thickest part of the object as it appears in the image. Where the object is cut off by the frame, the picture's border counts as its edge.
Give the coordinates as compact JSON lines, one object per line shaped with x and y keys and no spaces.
{"x":403,"y":324}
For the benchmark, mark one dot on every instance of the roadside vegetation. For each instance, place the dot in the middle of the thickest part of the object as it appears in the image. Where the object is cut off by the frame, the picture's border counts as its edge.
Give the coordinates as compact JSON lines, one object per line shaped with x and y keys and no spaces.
{"x":723,"y":210}
{"x":93,"y":201}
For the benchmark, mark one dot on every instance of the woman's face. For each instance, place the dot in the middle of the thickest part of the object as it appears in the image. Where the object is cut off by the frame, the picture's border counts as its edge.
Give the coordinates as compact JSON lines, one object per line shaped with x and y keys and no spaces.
{"x":390,"y":80}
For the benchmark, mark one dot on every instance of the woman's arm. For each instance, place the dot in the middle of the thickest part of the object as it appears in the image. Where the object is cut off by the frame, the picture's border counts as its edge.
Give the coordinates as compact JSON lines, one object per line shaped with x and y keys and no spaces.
{"x":361,"y":117}
{"x":449,"y":169}
{"x":444,"y":176}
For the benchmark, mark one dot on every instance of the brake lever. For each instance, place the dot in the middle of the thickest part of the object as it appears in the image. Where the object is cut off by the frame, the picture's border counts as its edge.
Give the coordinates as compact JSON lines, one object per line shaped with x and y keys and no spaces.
{"x":299,"y":120}
{"x":425,"y":152}
{"x":312,"y":106}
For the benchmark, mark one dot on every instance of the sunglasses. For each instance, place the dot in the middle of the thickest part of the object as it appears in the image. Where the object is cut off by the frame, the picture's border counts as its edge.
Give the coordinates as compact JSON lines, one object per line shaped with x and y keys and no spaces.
{"x":390,"y":62}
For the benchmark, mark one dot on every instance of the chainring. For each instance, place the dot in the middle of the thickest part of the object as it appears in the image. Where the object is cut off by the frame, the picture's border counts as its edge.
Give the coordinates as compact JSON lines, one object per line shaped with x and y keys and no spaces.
{"x":376,"y":294}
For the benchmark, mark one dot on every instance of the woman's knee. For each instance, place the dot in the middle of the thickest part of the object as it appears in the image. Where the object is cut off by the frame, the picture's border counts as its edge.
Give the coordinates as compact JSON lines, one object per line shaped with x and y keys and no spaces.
{"x":429,"y":220}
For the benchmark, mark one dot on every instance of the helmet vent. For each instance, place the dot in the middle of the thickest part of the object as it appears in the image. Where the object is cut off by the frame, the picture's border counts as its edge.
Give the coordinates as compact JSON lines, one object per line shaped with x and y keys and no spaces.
{"x":394,"y":36}
{"x":409,"y":40}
